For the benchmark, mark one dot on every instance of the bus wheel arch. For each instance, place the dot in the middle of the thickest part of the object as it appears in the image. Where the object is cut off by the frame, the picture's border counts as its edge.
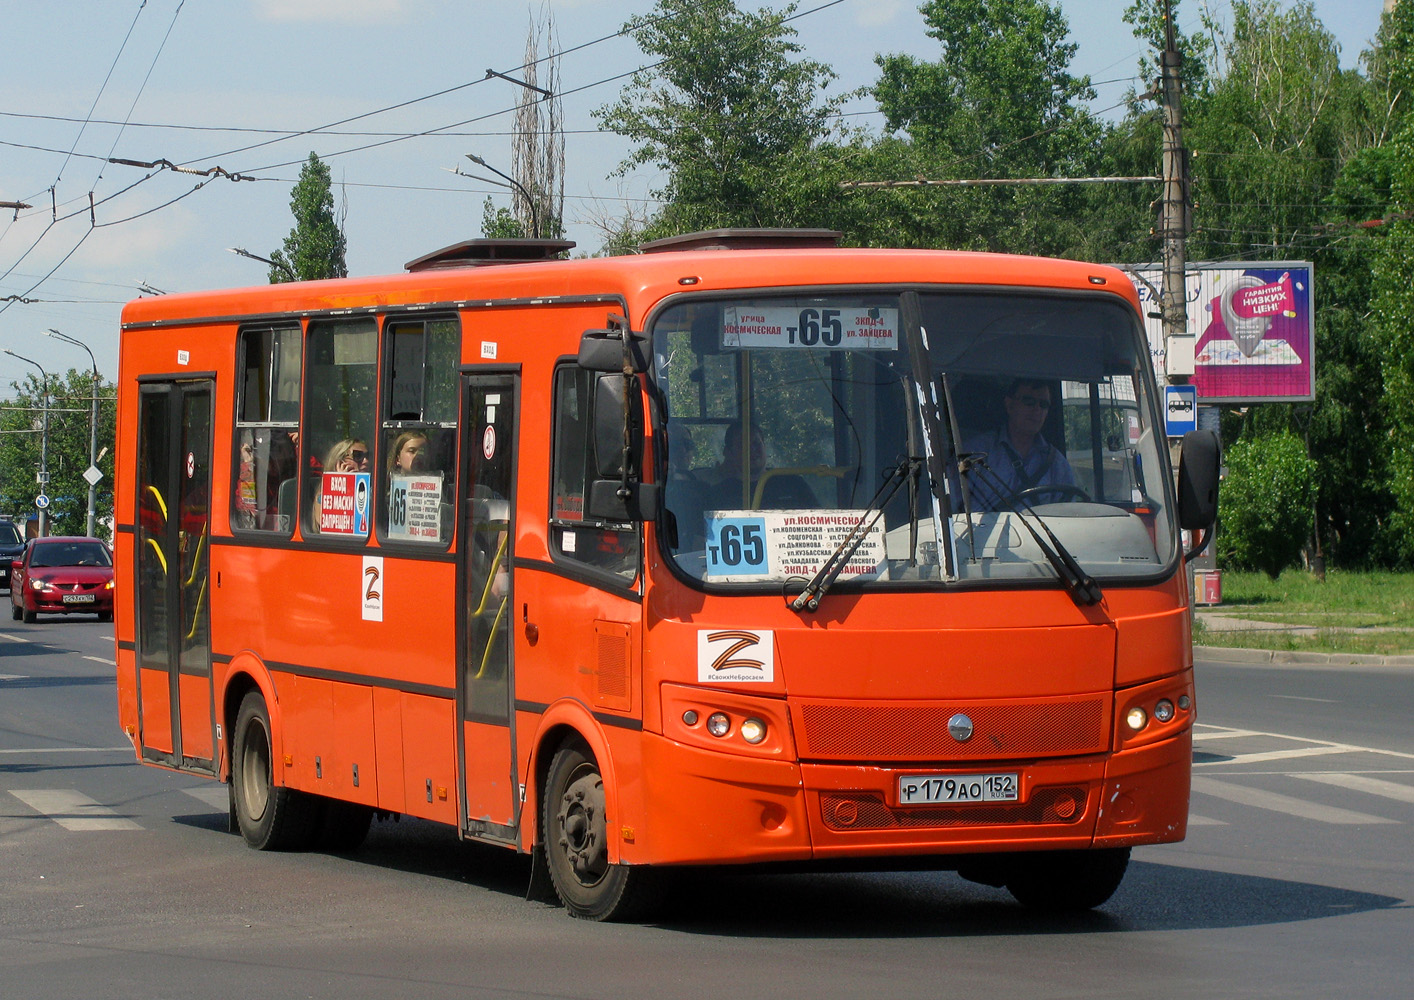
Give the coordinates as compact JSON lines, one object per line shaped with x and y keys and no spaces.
{"x":246,"y":673}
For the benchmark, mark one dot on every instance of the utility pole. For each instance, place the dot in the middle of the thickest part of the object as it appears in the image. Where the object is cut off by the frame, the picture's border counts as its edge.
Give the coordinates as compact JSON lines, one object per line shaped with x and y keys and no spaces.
{"x":1178,"y":343}
{"x":43,"y":476}
{"x":92,"y":475}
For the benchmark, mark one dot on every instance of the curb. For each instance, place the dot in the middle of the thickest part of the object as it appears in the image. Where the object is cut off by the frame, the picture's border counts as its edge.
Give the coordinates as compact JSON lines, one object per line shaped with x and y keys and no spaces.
{"x":1224,"y":654}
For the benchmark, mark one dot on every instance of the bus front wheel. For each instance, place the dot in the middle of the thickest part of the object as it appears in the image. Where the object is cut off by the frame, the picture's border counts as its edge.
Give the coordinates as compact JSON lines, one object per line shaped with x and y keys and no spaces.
{"x":1067,"y":880}
{"x":576,"y":842}
{"x":270,"y":816}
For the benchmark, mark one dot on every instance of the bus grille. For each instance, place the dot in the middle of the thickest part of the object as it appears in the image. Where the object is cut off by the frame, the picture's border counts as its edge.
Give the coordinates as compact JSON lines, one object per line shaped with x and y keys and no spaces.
{"x":920,"y":732}
{"x":845,"y":811}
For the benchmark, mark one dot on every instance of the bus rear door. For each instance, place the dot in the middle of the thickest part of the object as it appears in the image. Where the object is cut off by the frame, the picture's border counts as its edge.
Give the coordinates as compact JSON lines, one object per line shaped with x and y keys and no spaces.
{"x":487,"y":609}
{"x":176,"y":714}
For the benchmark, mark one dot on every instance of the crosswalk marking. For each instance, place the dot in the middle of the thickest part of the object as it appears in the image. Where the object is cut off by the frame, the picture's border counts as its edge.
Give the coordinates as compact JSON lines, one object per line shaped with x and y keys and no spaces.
{"x":1363,"y":783}
{"x":1276,"y":802}
{"x":99,"y":659}
{"x":215,"y":796}
{"x":1196,"y":820}
{"x":1258,"y":758}
{"x":12,"y":677}
{"x":73,"y":811}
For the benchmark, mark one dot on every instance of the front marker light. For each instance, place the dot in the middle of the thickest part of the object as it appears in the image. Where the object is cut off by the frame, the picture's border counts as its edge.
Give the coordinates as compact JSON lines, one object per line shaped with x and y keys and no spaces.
{"x":1163,"y":711}
{"x":753,"y":731}
{"x":718,"y":724}
{"x":1137,"y":718}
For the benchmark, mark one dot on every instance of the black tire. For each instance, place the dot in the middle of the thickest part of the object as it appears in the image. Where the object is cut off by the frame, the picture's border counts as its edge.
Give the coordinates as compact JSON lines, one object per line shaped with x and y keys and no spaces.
{"x":271,"y":817}
{"x":1067,"y":881}
{"x":105,"y":616}
{"x":29,"y":616}
{"x":343,"y":826}
{"x":575,"y":832}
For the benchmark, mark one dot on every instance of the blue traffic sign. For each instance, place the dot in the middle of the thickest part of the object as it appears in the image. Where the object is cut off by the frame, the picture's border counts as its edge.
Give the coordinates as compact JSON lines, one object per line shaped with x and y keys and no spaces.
{"x":1180,"y":409}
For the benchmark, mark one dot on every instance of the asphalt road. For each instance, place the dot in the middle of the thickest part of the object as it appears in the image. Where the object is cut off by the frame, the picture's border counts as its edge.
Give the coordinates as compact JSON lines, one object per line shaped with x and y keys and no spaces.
{"x":121,"y":881}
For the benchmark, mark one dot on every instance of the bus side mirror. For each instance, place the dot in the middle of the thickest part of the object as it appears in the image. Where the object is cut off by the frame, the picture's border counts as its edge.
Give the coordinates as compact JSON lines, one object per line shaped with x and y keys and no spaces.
{"x":1198,"y":467}
{"x":603,"y":350}
{"x":617,"y":493}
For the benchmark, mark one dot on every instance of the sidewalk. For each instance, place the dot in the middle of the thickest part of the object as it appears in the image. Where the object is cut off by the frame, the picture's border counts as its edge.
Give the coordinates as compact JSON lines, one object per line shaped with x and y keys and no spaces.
{"x":1217,"y":621}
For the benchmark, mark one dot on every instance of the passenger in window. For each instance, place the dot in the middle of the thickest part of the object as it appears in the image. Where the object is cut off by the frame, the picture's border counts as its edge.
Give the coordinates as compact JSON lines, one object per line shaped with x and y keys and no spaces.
{"x":1015,"y":460}
{"x":729,"y":468}
{"x":408,"y":454}
{"x":349,"y":455}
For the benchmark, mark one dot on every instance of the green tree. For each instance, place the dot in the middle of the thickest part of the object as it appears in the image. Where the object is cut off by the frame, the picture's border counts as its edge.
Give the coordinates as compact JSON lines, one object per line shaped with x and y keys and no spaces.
{"x":999,"y":102}
{"x":1264,"y":507}
{"x":729,"y":112}
{"x":315,"y":247}
{"x":500,"y":223}
{"x":69,"y":422}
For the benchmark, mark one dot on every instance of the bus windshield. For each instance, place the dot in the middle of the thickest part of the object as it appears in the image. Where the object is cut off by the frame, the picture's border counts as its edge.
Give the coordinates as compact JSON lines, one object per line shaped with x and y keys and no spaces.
{"x":913,"y":438}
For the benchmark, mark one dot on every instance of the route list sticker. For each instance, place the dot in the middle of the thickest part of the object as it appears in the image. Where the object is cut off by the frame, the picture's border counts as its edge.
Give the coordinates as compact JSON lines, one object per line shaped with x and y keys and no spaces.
{"x":745,"y":546}
{"x":774,"y":327}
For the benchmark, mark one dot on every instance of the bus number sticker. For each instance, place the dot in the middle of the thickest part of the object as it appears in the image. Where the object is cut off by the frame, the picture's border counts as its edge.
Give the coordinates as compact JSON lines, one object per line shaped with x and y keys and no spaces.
{"x":736,"y":655}
{"x":768,"y":545}
{"x":415,"y":508}
{"x":786,"y":328}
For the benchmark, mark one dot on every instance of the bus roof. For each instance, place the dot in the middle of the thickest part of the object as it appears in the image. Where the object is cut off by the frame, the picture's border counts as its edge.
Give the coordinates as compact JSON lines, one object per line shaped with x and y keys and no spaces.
{"x":640,"y":280}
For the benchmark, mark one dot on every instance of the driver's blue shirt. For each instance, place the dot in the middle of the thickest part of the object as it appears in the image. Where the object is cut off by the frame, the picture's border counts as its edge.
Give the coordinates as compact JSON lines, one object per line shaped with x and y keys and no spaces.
{"x":1008,"y":473}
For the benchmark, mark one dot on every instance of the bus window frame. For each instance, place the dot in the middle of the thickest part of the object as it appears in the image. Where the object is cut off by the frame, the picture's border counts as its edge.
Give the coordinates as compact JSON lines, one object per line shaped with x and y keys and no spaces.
{"x":240,"y":422}
{"x":384,"y":422}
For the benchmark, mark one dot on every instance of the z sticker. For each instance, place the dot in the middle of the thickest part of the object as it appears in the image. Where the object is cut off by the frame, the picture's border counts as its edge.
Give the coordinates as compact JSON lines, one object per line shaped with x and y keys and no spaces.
{"x":736,"y":655}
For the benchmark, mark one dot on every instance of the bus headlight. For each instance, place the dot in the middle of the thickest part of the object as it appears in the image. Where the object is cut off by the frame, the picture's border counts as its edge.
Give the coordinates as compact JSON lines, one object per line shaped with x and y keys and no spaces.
{"x":719,"y":724}
{"x":1163,"y":711}
{"x":753,"y":731}
{"x":1137,"y":718}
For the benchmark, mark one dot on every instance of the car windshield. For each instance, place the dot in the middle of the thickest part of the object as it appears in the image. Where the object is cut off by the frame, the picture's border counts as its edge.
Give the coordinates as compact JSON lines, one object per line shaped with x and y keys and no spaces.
{"x":9,"y":534}
{"x":915,"y":437}
{"x":70,"y":554}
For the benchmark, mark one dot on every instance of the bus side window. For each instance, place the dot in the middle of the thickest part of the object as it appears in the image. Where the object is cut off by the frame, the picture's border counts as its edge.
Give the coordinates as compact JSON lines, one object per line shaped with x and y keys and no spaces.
{"x":341,"y":387}
{"x":606,"y":547}
{"x":418,"y":471}
{"x":267,"y":428}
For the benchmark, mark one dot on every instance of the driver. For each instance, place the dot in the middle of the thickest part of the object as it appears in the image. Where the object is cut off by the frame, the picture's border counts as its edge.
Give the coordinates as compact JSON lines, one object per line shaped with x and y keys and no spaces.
{"x":1018,"y":456}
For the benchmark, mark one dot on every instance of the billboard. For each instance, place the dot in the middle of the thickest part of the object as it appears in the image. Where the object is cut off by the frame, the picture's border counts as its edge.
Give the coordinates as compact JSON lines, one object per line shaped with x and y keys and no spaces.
{"x":1253,"y":328}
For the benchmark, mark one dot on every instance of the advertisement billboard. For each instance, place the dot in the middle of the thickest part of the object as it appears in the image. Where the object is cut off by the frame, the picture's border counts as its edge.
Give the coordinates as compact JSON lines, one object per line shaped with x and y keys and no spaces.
{"x":1253,"y":327}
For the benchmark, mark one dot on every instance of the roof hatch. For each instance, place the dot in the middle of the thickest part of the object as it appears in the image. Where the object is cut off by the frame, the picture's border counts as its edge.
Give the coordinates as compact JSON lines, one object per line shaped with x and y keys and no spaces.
{"x":485,"y":253}
{"x":747,"y":239}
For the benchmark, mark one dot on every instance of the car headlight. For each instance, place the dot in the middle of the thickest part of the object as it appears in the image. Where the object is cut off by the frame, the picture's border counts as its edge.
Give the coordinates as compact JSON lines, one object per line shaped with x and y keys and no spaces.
{"x":36,"y":585}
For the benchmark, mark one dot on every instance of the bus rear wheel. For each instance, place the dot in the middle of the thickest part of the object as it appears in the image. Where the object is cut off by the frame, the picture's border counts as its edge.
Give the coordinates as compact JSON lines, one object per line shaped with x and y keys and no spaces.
{"x":576,"y":843}
{"x":270,"y":816}
{"x":1060,"y":881}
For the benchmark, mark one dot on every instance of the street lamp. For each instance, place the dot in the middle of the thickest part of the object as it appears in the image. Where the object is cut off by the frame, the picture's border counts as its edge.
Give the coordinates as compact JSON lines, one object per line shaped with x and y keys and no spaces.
{"x":92,"y":474}
{"x":265,"y":260}
{"x":43,"y":444}
{"x":529,"y":201}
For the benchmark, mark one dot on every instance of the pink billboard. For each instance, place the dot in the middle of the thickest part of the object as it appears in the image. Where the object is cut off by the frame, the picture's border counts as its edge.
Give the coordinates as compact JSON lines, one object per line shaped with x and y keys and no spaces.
{"x":1253,"y":327}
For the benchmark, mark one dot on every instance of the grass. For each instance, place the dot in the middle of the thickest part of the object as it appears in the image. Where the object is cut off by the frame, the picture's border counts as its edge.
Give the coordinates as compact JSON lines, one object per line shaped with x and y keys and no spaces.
{"x":1350,"y":612}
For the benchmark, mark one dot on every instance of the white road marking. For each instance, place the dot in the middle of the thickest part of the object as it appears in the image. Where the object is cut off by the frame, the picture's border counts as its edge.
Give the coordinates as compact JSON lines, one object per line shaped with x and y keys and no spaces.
{"x":1257,"y":758}
{"x":1297,"y":697}
{"x":25,"y":750}
{"x":1194,"y":820}
{"x":1276,"y":802}
{"x":215,"y":796}
{"x":73,"y":811}
{"x":12,"y":638}
{"x":99,"y":659}
{"x":1362,"y":783}
{"x":13,"y":677}
{"x":1223,"y":733}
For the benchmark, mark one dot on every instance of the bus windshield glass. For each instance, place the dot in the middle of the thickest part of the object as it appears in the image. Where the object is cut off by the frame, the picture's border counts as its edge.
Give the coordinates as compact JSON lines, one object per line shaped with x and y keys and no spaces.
{"x":931,"y":437}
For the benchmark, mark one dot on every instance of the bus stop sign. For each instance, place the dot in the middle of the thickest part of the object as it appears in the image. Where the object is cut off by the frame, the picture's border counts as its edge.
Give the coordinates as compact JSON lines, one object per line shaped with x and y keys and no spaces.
{"x":1180,"y":409}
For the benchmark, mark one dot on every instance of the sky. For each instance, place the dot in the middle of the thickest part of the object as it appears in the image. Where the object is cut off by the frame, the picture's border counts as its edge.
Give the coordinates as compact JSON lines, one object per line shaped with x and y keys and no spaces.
{"x":253,"y":86}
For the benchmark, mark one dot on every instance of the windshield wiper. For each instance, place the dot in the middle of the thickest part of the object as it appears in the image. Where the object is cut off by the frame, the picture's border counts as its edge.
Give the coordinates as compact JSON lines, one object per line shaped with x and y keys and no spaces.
{"x":1079,"y":584}
{"x":815,"y":588}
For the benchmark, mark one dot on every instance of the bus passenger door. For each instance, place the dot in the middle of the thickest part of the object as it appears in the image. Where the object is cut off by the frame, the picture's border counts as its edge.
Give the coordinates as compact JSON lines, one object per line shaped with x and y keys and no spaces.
{"x":176,"y":714}
{"x":486,"y":609}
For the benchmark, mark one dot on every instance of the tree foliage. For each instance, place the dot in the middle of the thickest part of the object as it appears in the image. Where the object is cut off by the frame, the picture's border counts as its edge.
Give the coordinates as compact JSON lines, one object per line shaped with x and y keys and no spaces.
{"x":315,"y":247}
{"x":21,"y":441}
{"x":1265,"y":503}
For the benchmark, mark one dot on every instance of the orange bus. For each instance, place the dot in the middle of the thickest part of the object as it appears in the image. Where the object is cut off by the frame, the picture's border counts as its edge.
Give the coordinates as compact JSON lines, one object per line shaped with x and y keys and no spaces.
{"x":748,"y":549}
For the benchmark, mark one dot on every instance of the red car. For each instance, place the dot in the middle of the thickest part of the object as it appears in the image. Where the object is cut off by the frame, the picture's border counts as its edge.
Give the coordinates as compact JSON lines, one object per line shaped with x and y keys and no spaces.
{"x":62,"y":575}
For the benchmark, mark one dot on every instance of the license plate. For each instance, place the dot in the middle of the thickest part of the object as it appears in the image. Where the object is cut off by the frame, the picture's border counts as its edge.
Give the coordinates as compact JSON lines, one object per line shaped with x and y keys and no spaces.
{"x":78,"y":598}
{"x":930,"y":789}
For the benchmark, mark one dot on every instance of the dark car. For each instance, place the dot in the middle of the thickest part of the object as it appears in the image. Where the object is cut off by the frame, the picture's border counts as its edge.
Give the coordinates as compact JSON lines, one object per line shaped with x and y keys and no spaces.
{"x":62,"y":575}
{"x":12,"y":544}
